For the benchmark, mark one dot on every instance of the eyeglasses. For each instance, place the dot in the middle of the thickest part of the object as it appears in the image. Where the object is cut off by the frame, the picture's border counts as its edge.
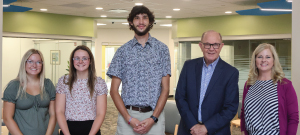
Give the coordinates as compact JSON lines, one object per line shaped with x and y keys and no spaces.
{"x":208,"y":45}
{"x":38,"y":63}
{"x":84,"y":59}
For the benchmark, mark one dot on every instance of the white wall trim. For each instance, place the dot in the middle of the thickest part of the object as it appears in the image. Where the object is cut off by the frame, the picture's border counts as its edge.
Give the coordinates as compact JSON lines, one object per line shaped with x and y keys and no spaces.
{"x":242,"y":37}
{"x":46,"y":36}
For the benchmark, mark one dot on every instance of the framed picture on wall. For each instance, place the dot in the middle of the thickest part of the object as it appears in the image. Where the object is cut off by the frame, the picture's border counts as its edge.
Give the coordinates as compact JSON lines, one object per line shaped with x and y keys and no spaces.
{"x":55,"y":57}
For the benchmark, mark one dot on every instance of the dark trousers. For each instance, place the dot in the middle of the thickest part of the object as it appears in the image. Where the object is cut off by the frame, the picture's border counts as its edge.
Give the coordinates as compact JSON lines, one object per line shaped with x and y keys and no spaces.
{"x":80,"y":127}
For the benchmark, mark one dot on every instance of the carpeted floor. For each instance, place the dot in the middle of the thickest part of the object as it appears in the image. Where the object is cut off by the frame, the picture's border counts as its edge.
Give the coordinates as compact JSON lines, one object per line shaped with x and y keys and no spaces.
{"x":110,"y":122}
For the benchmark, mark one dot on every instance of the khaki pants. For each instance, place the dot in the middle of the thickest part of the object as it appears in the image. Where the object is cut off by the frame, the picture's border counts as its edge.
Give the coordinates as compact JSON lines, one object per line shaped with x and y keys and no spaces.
{"x":124,"y":128}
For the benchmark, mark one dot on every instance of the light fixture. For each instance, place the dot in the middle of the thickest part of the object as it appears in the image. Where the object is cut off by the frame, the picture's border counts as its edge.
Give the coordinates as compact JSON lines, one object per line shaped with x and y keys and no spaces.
{"x":44,"y":9}
{"x":228,"y":12}
{"x":168,"y":16}
{"x":100,"y":24}
{"x":138,"y":4}
{"x":267,"y":9}
{"x":176,"y":9}
{"x":125,"y":23}
{"x":166,"y":25}
{"x":99,"y":8}
{"x":103,"y":16}
{"x":289,"y":0}
{"x":6,"y":5}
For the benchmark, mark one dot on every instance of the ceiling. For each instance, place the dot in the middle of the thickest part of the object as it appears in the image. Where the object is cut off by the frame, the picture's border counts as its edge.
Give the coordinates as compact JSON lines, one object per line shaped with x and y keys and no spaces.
{"x":161,"y":8}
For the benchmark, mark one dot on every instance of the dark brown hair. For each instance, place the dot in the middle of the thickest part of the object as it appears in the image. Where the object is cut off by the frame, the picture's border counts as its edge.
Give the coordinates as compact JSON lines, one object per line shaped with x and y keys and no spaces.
{"x":140,"y":10}
{"x":92,"y":70}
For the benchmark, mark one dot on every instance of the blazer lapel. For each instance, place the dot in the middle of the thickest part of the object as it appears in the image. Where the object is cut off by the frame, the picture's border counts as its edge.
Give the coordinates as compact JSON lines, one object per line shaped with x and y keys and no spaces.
{"x":198,"y":69}
{"x":216,"y":75}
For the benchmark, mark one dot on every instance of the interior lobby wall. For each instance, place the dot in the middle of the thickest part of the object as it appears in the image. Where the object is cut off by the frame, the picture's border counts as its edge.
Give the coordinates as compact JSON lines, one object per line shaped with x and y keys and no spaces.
{"x":47,"y":23}
{"x":295,"y":50}
{"x":121,"y":36}
{"x":11,"y":60}
{"x":1,"y":57}
{"x":235,"y":25}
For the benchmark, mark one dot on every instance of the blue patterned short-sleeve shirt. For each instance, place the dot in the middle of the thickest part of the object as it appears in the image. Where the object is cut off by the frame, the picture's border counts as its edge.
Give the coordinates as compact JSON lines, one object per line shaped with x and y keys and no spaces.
{"x":141,"y":70}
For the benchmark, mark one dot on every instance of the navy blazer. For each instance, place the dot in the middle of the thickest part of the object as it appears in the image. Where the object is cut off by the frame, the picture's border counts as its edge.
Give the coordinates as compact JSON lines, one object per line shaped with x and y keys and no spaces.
{"x":220,"y":102}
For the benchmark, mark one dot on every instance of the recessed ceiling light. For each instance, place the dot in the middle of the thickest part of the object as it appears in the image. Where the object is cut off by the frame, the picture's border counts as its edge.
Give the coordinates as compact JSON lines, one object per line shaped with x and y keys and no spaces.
{"x":167,"y":25}
{"x":103,"y":16}
{"x":267,"y":9}
{"x":117,"y":11}
{"x":44,"y":9}
{"x":176,"y":9}
{"x":125,"y":23}
{"x":289,"y":0}
{"x":168,"y":16}
{"x":228,"y":12}
{"x":6,"y":5}
{"x":138,"y":4}
{"x":99,"y":8}
{"x":101,"y":24}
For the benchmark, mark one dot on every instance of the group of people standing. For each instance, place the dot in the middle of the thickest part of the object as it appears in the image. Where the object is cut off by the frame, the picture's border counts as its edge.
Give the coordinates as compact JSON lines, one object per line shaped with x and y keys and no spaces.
{"x":206,"y":96}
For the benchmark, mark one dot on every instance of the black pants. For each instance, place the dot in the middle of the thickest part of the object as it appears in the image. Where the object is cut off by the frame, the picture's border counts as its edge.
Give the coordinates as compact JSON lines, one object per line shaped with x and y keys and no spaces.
{"x":80,"y":127}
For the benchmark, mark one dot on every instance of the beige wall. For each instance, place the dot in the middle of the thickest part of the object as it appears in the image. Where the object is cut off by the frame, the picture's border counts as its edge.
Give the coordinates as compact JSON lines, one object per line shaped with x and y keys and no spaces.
{"x":12,"y":51}
{"x":19,"y":46}
{"x":121,"y":36}
{"x":1,"y":22}
{"x":296,"y":49}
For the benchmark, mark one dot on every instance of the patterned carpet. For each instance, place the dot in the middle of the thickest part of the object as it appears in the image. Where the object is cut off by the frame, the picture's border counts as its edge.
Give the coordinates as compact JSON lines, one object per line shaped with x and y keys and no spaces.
{"x":109,"y":125}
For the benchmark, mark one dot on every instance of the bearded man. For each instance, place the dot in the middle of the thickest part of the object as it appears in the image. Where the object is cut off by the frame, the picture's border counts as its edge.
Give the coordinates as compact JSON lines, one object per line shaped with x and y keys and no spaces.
{"x":144,"y":68}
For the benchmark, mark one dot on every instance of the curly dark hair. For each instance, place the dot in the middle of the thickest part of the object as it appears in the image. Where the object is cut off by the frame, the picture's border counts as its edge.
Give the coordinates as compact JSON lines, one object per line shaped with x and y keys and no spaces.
{"x":140,"y":10}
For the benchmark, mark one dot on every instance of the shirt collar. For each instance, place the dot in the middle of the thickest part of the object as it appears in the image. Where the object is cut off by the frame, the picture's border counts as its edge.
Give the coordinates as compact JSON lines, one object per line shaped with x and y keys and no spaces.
{"x":135,"y":42}
{"x":212,"y":64}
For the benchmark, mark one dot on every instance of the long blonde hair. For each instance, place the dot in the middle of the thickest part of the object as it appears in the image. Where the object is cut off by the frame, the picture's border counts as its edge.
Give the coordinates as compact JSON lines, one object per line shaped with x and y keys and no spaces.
{"x":91,"y":73}
{"x":277,"y":73}
{"x":22,"y":75}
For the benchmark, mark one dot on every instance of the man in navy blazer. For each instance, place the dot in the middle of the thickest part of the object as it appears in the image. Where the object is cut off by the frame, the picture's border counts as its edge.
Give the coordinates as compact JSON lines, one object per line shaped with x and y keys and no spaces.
{"x":207,"y":94}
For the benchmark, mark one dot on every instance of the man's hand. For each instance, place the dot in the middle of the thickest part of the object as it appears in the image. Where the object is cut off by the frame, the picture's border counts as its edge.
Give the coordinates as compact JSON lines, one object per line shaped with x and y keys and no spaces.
{"x":198,"y":130}
{"x":145,"y":126}
{"x":134,"y":123}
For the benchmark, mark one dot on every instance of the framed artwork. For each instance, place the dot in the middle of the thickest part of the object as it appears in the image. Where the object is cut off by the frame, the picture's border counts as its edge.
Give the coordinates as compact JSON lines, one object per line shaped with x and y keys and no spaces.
{"x":55,"y":57}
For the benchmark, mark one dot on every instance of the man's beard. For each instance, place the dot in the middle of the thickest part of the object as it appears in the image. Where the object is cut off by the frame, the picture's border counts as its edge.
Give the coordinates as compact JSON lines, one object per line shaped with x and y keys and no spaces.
{"x":141,"y":33}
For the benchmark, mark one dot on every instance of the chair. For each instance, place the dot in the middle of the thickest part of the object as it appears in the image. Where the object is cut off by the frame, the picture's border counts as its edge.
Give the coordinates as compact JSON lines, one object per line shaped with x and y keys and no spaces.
{"x":236,"y":121}
{"x":176,"y":129}
{"x":172,"y":116}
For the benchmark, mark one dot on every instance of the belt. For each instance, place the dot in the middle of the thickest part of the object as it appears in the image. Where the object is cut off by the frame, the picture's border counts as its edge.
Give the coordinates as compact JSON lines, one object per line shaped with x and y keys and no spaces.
{"x":200,"y":122}
{"x":140,"y":109}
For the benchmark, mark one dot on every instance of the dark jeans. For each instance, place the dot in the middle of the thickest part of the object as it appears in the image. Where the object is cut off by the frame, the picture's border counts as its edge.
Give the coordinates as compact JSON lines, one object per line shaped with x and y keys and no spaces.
{"x":80,"y":127}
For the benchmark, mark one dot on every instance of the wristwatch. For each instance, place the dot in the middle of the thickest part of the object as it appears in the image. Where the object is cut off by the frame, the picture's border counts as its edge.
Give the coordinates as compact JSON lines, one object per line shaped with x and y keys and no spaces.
{"x":154,"y":118}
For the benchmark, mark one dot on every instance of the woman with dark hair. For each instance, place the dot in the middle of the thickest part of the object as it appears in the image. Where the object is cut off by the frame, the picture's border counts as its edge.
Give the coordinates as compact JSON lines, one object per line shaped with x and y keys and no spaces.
{"x":270,"y":104}
{"x":28,"y":107}
{"x":81,"y":96}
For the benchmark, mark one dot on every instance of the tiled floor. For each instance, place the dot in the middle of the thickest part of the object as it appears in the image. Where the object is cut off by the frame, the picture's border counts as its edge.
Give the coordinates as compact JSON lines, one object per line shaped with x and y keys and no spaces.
{"x":110,"y":122}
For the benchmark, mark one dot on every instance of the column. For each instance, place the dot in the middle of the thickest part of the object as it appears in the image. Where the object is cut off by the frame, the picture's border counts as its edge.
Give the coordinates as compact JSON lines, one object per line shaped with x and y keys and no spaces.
{"x":296,"y":49}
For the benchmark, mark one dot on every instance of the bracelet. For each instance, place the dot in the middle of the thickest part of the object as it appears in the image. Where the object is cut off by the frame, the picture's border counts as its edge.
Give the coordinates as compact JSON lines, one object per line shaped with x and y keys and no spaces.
{"x":129,"y":120}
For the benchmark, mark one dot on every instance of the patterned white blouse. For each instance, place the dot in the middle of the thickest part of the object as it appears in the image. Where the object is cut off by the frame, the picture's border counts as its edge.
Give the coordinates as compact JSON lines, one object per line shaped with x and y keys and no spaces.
{"x":79,"y":105}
